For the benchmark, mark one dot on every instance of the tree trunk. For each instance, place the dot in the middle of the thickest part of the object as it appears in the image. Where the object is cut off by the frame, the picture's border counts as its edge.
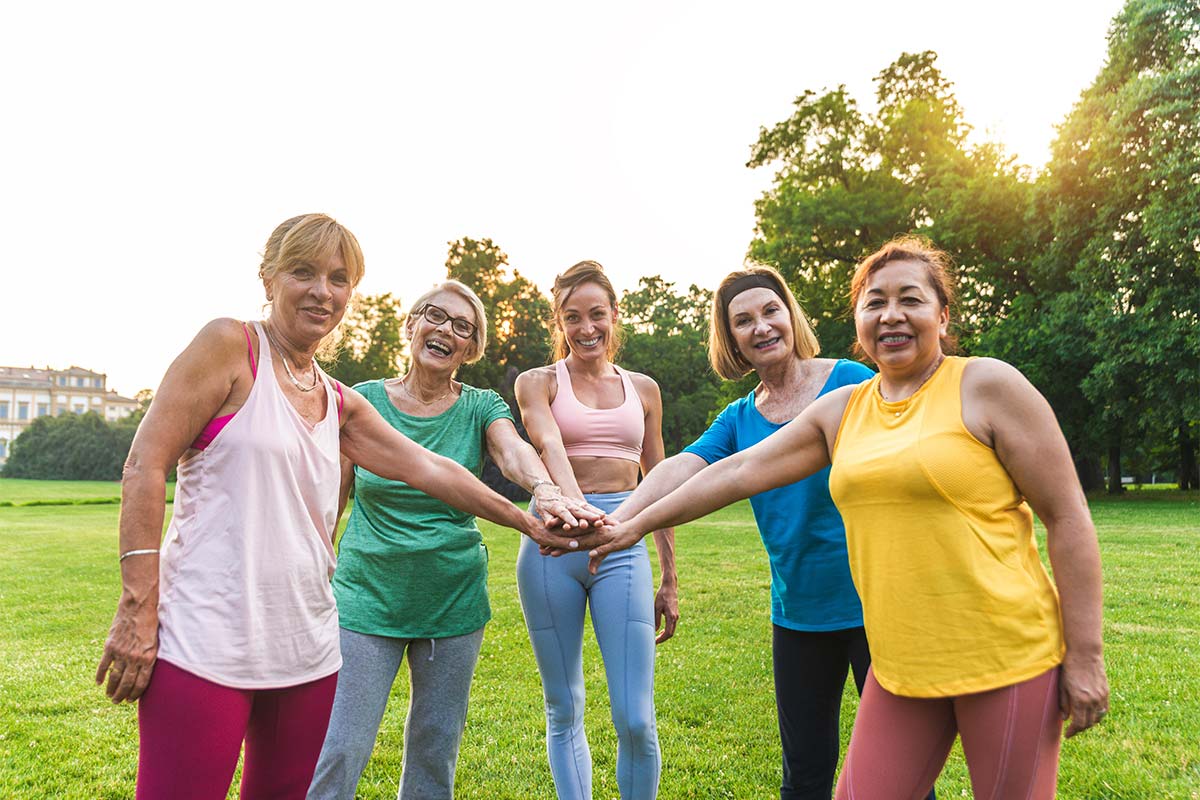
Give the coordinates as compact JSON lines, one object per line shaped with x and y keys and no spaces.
{"x":1114,"y":470}
{"x":1091,"y":477}
{"x":1188,"y":477}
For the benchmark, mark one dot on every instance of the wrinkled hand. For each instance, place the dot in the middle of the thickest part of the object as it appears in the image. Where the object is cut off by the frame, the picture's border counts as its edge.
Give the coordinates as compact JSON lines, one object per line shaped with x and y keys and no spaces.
{"x":575,"y":541}
{"x":546,"y":538}
{"x":666,"y":611}
{"x":558,"y":510}
{"x":129,"y":652}
{"x":618,"y":536}
{"x":1082,"y":692}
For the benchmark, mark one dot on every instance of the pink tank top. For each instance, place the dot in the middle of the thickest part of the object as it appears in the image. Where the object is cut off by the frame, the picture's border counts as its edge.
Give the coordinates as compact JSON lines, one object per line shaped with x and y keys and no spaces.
{"x":603,"y":432}
{"x":244,"y":595}
{"x":217,"y":424}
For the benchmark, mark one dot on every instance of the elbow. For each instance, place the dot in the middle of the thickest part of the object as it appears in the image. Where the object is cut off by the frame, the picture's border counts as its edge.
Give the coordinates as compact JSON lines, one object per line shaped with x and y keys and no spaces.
{"x":135,"y":471}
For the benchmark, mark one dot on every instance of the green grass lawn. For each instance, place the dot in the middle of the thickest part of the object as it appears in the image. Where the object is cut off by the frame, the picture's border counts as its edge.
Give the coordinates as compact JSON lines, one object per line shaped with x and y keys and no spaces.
{"x":21,"y":492}
{"x":60,"y":738}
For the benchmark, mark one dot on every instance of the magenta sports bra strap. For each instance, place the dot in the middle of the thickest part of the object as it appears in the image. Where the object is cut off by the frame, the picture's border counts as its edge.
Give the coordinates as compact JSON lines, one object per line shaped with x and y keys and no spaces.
{"x":217,"y":424}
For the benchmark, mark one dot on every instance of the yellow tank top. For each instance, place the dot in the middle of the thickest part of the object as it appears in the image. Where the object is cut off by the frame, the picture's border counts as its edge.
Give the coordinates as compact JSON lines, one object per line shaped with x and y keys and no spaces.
{"x":955,"y":598}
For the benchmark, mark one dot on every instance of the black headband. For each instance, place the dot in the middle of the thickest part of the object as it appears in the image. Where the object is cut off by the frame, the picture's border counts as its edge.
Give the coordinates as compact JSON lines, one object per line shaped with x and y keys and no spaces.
{"x":754,"y":280}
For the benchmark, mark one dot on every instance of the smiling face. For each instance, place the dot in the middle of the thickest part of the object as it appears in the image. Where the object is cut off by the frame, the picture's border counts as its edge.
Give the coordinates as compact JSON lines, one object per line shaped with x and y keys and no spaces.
{"x":309,"y":297}
{"x":761,"y":326}
{"x":587,"y":320}
{"x":436,"y":347}
{"x":899,"y":319}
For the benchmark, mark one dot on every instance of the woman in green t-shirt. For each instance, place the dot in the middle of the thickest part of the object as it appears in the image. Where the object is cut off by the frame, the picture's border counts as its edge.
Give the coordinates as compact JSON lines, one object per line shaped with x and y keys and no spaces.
{"x":412,"y":571}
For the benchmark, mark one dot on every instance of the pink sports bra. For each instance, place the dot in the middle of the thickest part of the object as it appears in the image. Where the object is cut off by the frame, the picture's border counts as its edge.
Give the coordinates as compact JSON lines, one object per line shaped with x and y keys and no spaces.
{"x":217,"y":424}
{"x":603,"y":432}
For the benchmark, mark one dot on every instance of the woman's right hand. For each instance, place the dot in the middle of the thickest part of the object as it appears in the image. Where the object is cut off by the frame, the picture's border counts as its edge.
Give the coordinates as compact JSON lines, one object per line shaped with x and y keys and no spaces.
{"x":129,"y":652}
{"x":613,"y":536}
{"x":557,"y":509}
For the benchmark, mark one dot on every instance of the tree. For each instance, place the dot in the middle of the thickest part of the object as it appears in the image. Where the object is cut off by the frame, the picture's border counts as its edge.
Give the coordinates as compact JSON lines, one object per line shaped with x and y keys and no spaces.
{"x":846,"y":183}
{"x":517,"y":315}
{"x":373,"y":344}
{"x":1125,"y":218}
{"x":70,"y":447}
{"x":665,"y":335}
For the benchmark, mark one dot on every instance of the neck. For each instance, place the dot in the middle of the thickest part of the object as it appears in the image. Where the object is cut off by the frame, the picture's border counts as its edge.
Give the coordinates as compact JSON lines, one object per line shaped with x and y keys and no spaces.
{"x":300,"y":354}
{"x":427,"y":385}
{"x":901,"y":386}
{"x":589,"y":367}
{"x":782,"y":376}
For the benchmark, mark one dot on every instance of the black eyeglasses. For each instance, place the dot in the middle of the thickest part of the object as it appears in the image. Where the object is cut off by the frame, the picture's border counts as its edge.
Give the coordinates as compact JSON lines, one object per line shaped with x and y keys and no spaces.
{"x":462,"y":328}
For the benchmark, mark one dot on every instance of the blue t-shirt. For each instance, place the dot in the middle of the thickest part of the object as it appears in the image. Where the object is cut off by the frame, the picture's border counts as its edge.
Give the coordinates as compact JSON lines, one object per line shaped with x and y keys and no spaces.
{"x":811,"y":588}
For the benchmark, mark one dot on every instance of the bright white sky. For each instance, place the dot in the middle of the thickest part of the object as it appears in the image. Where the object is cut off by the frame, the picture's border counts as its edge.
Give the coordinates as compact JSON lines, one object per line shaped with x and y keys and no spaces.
{"x":147,"y":149}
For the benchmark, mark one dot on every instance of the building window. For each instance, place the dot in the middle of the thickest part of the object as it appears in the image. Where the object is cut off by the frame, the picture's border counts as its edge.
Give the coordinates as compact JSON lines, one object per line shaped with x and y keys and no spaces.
{"x":43,"y":409}
{"x":80,"y":408}
{"x":3,"y":410}
{"x":79,"y":382}
{"x":62,"y":380}
{"x":3,"y":448}
{"x":22,"y":410}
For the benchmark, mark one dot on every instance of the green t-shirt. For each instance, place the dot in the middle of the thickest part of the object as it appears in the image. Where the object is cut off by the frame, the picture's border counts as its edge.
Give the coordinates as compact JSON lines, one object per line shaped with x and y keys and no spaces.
{"x":410,"y":566}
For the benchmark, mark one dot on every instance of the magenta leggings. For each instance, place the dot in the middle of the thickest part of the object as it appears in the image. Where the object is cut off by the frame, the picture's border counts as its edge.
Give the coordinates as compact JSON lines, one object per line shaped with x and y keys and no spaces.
{"x":1010,"y":736}
{"x":191,"y":732}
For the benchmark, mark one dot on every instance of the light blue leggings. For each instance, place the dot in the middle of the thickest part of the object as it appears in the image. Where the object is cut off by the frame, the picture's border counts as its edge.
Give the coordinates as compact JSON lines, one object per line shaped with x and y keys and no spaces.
{"x":554,"y":593}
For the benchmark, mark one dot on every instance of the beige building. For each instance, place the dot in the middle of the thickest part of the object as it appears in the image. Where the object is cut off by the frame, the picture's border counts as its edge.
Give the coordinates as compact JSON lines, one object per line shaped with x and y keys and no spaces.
{"x":27,"y":393}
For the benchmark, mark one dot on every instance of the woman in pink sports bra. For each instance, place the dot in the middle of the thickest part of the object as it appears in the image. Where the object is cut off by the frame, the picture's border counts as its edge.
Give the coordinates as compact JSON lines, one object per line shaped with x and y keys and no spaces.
{"x":596,"y":426}
{"x":227,"y":631}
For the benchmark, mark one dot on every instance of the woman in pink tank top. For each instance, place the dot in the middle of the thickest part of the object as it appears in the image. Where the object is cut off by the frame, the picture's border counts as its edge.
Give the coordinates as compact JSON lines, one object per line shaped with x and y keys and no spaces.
{"x":227,"y":631}
{"x":595,"y":425}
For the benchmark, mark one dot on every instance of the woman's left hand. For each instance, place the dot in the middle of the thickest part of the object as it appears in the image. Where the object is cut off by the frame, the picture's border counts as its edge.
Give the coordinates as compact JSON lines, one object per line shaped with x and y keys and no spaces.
{"x":666,"y":611}
{"x":556,"y":509}
{"x":1082,"y":692}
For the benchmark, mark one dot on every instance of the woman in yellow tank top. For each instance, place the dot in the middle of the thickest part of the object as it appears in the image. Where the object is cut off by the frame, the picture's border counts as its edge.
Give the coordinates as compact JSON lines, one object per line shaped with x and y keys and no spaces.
{"x":936,"y":463}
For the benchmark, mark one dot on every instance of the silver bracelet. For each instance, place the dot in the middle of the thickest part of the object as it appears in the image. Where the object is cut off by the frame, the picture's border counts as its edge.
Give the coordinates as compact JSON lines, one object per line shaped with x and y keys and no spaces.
{"x":129,"y":553}
{"x":542,"y":482}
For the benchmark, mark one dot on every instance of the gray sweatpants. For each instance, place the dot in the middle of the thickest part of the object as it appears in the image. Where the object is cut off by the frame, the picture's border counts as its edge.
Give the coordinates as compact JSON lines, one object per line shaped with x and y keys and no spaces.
{"x":441,"y":672}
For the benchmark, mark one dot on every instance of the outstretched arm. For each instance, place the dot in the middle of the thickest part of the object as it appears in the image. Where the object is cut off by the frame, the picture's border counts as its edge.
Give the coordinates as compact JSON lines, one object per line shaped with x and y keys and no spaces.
{"x":520,"y":464}
{"x":369,"y":441}
{"x":1003,"y":409}
{"x":799,"y":449}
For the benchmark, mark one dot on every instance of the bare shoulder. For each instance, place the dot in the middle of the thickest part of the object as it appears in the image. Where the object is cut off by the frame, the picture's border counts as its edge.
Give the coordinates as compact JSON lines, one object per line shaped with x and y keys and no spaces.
{"x":642,"y":382}
{"x":536,"y":382}
{"x":991,"y":378}
{"x":536,"y":377}
{"x":829,"y":407}
{"x":223,"y":332}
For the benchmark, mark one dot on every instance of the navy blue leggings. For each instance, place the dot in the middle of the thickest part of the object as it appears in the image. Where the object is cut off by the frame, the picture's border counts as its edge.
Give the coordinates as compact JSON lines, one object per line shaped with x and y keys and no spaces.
{"x":554,"y":593}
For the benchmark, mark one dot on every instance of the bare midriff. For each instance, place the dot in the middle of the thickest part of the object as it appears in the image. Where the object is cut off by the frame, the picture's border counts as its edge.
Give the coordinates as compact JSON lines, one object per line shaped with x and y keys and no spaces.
{"x":598,"y":475}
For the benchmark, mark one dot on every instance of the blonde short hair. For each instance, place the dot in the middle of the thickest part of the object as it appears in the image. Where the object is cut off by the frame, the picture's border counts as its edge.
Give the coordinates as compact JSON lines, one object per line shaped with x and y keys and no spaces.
{"x":564,"y":286}
{"x":310,"y":237}
{"x":479,"y":339}
{"x":727,"y":361}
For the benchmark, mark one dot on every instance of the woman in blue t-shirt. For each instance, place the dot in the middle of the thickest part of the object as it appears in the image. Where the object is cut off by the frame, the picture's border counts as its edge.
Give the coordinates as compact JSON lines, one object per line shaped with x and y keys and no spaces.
{"x":817,"y":619}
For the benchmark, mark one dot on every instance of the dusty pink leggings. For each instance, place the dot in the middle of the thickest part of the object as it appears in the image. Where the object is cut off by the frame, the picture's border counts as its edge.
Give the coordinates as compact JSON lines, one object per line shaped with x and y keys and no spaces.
{"x":191,"y":732}
{"x":1010,"y":735}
